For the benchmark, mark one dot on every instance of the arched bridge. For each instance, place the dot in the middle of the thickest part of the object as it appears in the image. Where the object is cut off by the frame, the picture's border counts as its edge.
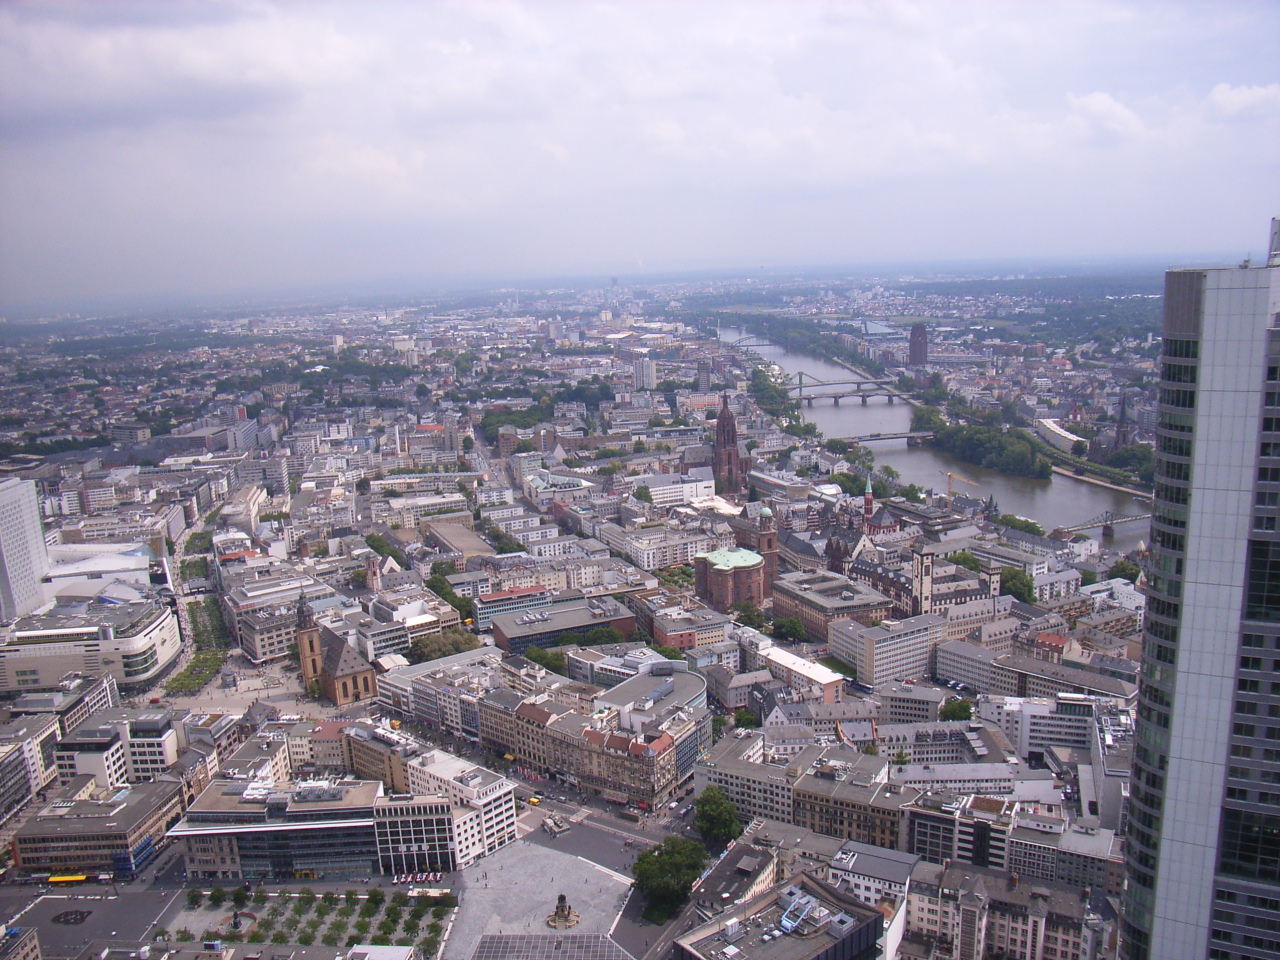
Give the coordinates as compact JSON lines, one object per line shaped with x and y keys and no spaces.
{"x":751,"y":341}
{"x":1107,"y":521}
{"x":809,"y":388}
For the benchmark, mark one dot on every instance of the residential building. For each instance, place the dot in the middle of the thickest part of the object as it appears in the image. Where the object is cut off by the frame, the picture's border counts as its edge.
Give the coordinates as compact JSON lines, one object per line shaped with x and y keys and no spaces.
{"x":975,"y":912}
{"x":71,"y":701}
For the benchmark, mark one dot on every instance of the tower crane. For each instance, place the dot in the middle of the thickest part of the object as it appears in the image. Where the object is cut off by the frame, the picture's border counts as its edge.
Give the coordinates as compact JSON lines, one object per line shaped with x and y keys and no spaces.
{"x":951,"y":478}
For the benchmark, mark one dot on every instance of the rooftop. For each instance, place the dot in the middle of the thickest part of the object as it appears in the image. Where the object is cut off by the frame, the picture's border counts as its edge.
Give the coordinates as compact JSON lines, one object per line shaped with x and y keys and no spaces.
{"x":733,"y":558}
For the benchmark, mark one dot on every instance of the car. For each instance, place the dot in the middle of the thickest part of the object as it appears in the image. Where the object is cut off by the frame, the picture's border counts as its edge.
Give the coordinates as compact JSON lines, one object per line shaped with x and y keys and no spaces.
{"x":535,"y":801}
{"x":563,"y":799}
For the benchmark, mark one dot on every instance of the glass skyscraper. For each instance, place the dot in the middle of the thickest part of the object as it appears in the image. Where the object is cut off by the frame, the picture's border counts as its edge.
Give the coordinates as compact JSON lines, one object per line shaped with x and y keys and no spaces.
{"x":1203,"y":845}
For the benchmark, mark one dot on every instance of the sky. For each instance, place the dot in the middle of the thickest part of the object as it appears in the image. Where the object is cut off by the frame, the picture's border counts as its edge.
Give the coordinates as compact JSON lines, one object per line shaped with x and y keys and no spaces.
{"x":160,"y":151}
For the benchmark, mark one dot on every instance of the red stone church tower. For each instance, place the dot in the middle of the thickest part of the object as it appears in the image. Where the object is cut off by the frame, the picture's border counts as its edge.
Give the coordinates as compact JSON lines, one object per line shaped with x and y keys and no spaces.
{"x":728,"y":466}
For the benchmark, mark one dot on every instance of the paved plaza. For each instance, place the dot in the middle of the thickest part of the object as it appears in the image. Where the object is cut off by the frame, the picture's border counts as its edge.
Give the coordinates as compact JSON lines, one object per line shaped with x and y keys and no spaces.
{"x":513,"y":892}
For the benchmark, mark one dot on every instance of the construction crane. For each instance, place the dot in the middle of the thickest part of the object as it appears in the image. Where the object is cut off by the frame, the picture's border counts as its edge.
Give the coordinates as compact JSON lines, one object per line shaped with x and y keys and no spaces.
{"x":951,"y":477}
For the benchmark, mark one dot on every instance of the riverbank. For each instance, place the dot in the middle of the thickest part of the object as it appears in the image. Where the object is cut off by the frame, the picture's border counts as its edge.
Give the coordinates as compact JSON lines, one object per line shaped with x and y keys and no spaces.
{"x":1084,"y":478}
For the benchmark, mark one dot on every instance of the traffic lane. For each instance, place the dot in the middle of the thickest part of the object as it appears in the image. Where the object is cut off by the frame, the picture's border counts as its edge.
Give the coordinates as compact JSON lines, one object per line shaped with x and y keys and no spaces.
{"x":597,"y":846}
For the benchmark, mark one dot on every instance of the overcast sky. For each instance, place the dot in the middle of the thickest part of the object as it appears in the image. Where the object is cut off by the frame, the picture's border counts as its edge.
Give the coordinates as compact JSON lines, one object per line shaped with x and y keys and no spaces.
{"x":167,"y":150}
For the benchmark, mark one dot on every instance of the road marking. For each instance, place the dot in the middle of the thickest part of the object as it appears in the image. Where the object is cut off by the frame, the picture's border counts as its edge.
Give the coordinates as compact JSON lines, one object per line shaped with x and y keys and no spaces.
{"x":613,"y":873}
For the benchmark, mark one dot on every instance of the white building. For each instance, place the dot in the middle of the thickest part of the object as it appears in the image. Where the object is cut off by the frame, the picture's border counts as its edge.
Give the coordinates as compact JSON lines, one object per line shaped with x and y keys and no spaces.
{"x":133,"y":641}
{"x":487,"y":819}
{"x":894,"y":650}
{"x":1034,"y":724}
{"x":23,"y":558}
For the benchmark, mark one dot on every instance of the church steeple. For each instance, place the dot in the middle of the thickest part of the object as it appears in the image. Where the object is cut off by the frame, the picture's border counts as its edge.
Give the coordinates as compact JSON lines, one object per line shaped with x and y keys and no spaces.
{"x":728,"y":467}
{"x":306,"y":616}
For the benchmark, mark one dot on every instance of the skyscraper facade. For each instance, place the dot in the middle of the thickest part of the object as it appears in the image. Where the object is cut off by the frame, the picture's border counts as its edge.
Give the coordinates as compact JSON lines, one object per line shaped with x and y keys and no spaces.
{"x":918,"y":345}
{"x":645,"y":375}
{"x":23,"y":558}
{"x":1203,"y":844}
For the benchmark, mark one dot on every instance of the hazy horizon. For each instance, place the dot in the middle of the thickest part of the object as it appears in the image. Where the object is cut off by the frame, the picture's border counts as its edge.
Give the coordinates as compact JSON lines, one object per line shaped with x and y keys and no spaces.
{"x":185,"y":153}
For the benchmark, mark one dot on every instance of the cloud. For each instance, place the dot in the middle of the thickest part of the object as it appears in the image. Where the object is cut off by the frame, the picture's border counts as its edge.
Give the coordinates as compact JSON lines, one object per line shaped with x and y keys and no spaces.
{"x":152,"y":149}
{"x":1247,"y":100}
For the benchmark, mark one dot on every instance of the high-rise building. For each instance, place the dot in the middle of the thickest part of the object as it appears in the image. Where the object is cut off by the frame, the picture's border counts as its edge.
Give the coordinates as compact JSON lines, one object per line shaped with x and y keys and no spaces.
{"x":918,"y":345}
{"x":1203,"y":844}
{"x":704,"y":376}
{"x":646,"y":375}
{"x":23,"y":558}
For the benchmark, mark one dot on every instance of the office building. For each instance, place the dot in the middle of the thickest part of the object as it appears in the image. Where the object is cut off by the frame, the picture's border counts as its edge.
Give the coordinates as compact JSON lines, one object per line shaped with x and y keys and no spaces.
{"x":116,"y":835}
{"x":891,"y":650}
{"x":800,"y":919}
{"x":918,"y":345}
{"x":818,"y":599}
{"x":23,"y":559}
{"x":1203,"y":843}
{"x":304,"y":831}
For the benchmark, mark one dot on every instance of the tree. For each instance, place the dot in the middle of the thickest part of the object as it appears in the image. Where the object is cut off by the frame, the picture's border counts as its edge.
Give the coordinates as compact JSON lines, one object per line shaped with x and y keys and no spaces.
{"x":718,"y":723}
{"x":239,"y":897}
{"x":1080,"y":448}
{"x":666,"y":873}
{"x":548,"y":660}
{"x":570,"y":639}
{"x":643,"y":494}
{"x":363,"y":485}
{"x":913,"y":493}
{"x":1125,"y":569}
{"x":195,"y":897}
{"x":745,"y":718}
{"x":1021,"y":523}
{"x":789,"y":628}
{"x":900,"y":758}
{"x":444,"y":644}
{"x":217,"y":897}
{"x":750,"y":615}
{"x":1088,"y":578}
{"x":468,"y":443}
{"x":967,"y":560}
{"x":960,"y":709}
{"x":1017,"y":584}
{"x":524,"y":446}
{"x":671,"y":653}
{"x":600,"y":635}
{"x":870,"y":749}
{"x":717,"y":817}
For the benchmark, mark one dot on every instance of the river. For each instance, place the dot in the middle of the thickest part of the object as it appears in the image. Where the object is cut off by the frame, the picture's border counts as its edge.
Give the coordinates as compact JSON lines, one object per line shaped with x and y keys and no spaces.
{"x":1061,"y":501}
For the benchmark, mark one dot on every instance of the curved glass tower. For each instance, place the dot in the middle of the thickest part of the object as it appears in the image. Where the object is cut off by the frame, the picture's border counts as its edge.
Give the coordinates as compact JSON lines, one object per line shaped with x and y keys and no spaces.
{"x":1203,"y":842}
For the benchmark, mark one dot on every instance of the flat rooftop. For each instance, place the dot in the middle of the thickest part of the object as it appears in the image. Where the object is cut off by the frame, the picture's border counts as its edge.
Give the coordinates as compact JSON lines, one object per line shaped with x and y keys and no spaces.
{"x":830,"y":918}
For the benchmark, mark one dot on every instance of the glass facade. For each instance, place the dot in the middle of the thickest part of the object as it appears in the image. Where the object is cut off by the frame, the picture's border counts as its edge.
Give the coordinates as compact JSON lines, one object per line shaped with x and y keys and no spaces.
{"x":1204,"y":819}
